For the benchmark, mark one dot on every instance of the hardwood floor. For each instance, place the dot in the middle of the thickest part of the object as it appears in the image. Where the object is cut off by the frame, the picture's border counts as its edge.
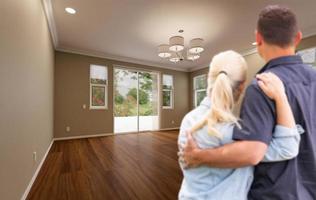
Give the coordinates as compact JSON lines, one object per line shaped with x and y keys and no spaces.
{"x":131,"y":166}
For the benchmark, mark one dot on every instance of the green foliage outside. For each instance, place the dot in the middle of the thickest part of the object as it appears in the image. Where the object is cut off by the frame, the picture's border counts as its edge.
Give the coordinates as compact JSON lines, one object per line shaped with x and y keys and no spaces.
{"x":166,"y":95}
{"x":127,"y":105}
{"x":143,"y":95}
{"x":200,"y":82}
{"x":98,"y":96}
{"x":200,"y":96}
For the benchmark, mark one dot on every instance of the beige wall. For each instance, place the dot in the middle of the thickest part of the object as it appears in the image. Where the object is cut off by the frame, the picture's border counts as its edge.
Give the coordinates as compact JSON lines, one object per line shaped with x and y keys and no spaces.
{"x":307,"y":43}
{"x":255,"y":63}
{"x":72,"y":91}
{"x":26,"y":85}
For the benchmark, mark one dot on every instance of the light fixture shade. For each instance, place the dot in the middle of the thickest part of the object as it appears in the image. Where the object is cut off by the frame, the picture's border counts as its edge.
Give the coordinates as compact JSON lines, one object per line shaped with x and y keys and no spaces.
{"x":176,"y":43}
{"x":196,"y":45}
{"x":192,"y":56}
{"x":163,"y":51}
{"x":174,"y":58}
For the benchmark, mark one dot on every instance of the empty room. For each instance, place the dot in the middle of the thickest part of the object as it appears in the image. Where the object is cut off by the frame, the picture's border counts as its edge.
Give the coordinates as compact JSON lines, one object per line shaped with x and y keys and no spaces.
{"x":139,"y":99}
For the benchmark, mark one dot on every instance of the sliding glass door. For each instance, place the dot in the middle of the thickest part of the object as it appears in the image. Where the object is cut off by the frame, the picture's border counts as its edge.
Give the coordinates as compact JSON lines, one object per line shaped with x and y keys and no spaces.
{"x":135,"y":101}
{"x":148,"y":101}
{"x":125,"y":101}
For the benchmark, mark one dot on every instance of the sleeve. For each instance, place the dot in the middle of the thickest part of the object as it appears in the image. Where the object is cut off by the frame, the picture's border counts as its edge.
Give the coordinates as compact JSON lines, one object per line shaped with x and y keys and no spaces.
{"x":284,"y":145}
{"x":257,"y":116}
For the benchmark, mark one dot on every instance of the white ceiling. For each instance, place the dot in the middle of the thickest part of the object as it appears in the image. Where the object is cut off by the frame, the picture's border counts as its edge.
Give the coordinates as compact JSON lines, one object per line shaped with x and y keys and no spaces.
{"x":131,"y":30}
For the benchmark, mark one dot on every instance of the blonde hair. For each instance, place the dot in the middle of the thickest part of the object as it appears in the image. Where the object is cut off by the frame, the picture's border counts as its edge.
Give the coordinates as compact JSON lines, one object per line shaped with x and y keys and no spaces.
{"x":227,"y":72}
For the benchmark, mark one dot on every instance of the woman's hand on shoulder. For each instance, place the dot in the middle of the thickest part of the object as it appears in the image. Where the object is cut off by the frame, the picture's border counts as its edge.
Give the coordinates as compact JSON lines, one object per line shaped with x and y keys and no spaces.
{"x":271,"y":85}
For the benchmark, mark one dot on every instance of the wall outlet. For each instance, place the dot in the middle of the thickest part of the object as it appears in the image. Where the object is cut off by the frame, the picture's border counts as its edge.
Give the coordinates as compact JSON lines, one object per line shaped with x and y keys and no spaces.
{"x":84,"y":106}
{"x":172,"y":122}
{"x":34,"y":156}
{"x":67,"y":128}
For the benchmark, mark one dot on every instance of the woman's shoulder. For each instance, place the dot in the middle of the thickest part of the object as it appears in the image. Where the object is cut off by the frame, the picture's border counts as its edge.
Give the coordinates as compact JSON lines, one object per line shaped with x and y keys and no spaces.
{"x":196,"y":114}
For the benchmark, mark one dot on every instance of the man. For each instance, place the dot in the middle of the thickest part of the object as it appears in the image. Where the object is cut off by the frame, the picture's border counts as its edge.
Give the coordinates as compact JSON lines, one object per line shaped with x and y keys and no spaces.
{"x":277,"y":35}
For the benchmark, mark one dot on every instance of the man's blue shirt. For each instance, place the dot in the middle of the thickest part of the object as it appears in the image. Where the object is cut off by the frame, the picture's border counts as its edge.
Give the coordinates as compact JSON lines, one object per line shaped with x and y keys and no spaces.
{"x":287,"y":180}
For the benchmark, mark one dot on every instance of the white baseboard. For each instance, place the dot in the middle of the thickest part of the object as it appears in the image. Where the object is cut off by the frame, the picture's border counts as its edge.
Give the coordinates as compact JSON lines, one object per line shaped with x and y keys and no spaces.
{"x":169,"y":129}
{"x":36,"y":173}
{"x":109,"y":134}
{"x":83,"y":136}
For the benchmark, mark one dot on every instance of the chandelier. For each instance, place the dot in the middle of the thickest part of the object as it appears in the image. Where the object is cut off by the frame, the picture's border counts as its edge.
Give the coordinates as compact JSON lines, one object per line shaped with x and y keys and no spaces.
{"x":175,"y":49}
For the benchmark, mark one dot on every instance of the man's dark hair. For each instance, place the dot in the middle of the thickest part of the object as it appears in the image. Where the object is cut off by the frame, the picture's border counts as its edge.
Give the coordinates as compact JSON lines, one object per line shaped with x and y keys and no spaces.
{"x":277,"y":25}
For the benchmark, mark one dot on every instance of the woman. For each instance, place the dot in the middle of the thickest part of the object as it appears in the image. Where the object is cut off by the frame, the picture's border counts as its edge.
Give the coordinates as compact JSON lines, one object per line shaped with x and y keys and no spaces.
{"x":212,"y":125}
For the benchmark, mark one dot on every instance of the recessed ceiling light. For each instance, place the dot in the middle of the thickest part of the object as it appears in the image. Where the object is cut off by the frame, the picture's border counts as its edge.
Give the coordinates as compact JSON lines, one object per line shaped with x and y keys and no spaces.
{"x":254,"y":43}
{"x":70,"y":10}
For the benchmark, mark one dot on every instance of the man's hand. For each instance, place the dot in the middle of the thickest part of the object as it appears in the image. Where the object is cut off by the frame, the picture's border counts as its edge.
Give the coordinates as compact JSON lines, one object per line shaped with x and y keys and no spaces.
{"x":188,"y":152}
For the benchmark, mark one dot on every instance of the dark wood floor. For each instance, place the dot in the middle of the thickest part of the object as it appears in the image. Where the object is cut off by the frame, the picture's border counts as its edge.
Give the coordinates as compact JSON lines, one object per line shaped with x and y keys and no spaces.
{"x":131,"y":166}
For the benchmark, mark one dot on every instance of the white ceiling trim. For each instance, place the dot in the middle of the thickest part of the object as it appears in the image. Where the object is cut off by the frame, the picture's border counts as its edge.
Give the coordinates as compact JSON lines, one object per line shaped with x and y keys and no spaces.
{"x":309,"y":34}
{"x":252,"y":51}
{"x":197,"y":68}
{"x":52,"y":27}
{"x":47,"y":4}
{"x":249,"y":52}
{"x":117,"y":58}
{"x":244,"y":53}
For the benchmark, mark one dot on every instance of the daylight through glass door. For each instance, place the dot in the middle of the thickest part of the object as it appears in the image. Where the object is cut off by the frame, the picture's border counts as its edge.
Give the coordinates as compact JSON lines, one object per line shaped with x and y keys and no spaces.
{"x":135,"y":101}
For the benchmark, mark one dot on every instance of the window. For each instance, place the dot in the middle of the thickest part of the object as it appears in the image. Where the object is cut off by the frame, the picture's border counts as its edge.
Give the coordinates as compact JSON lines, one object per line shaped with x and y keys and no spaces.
{"x":167,"y":91}
{"x":308,"y":56}
{"x":199,"y":85}
{"x":98,"y":87}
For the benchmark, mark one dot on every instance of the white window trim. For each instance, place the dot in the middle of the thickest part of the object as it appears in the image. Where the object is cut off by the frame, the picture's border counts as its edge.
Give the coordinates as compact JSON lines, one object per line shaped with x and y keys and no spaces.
{"x":195,"y":95}
{"x":172,"y":93}
{"x":198,"y":90}
{"x":105,"y":107}
{"x":300,"y":50}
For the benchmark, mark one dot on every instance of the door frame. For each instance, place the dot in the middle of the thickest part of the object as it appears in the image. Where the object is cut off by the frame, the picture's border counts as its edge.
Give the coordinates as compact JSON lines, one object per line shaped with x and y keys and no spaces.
{"x":136,"y":69}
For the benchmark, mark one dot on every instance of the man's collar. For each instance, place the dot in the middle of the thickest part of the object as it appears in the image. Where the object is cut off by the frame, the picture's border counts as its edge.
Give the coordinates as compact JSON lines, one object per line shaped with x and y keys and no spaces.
{"x":284,"y":60}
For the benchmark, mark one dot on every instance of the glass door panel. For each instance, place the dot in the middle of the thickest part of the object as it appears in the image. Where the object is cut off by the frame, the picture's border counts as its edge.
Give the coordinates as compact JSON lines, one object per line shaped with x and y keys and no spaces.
{"x":125,"y":101}
{"x":148,"y":101}
{"x":135,"y":101}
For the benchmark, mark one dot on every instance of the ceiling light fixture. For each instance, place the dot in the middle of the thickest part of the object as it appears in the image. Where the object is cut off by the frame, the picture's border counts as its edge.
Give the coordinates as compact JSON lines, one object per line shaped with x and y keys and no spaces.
{"x":254,"y":43}
{"x":174,"y":51}
{"x":174,"y":57}
{"x":192,"y":56}
{"x":196,"y":45}
{"x":70,"y":10}
{"x":176,"y":43}
{"x":163,"y":51}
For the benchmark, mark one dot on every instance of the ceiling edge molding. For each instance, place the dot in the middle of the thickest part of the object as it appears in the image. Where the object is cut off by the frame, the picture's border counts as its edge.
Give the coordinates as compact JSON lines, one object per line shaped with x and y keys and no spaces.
{"x":254,"y":50}
{"x":309,"y":34}
{"x":249,"y":52}
{"x":243,"y":53}
{"x":117,"y":58}
{"x":48,"y":9}
{"x":197,"y":68}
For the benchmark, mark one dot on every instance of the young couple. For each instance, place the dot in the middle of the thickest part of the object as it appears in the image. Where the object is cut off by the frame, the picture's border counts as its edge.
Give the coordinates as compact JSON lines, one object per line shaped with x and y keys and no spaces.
{"x":217,"y":150}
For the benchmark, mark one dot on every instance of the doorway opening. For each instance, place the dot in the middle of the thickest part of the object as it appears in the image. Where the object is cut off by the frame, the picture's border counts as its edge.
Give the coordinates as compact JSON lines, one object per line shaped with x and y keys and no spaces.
{"x":136,"y":100}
